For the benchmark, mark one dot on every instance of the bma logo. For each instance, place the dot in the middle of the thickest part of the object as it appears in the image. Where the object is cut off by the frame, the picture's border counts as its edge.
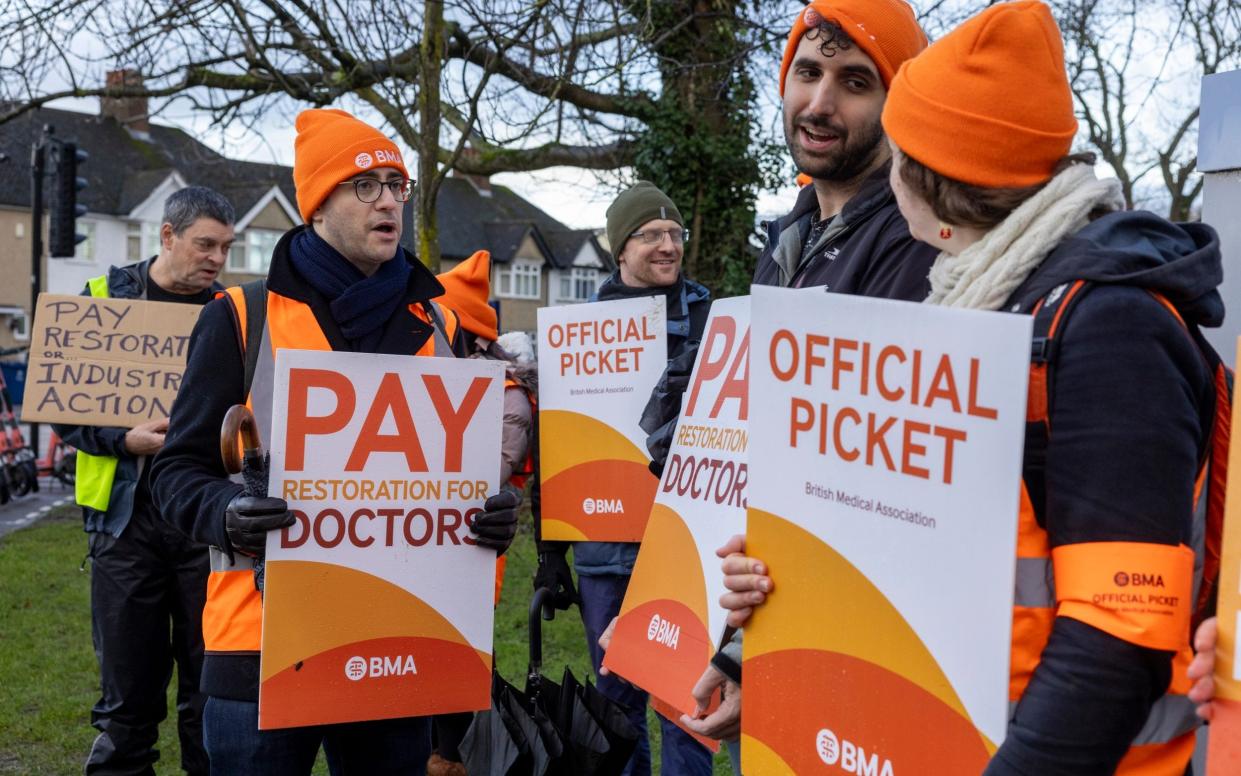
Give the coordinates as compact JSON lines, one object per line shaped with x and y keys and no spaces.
{"x":849,"y":757}
{"x":663,"y":632}
{"x":363,"y":161}
{"x":358,"y":667}
{"x":604,"y":506}
{"x":382,"y":155}
{"x":1138,"y":579}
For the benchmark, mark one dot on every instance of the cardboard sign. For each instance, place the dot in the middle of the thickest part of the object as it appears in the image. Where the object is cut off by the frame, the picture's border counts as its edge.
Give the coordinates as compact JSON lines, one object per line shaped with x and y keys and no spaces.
{"x":886,"y":441}
{"x":671,"y":622}
{"x":105,"y":362}
{"x":1224,"y":749}
{"x":377,"y":603}
{"x":598,"y":364}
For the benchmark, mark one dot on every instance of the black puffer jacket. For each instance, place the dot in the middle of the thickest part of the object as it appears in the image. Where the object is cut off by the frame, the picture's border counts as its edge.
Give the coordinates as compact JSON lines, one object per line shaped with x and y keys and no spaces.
{"x":872,"y":255}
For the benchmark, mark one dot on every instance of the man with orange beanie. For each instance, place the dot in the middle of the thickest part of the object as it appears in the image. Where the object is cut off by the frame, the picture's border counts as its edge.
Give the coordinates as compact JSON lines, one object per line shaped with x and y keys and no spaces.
{"x":844,"y":232}
{"x":340,"y":282}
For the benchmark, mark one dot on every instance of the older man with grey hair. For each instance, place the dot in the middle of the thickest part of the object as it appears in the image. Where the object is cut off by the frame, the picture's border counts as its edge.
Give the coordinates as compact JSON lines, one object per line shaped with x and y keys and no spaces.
{"x":148,"y":581}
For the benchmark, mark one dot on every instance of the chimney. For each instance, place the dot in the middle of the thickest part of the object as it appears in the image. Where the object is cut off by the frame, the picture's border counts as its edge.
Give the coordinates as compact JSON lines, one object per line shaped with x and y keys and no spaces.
{"x":480,"y":182}
{"x":130,"y":112}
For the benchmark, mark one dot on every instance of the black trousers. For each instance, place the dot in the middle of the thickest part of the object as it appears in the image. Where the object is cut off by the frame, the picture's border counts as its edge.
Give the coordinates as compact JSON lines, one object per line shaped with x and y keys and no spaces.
{"x":147,"y":593}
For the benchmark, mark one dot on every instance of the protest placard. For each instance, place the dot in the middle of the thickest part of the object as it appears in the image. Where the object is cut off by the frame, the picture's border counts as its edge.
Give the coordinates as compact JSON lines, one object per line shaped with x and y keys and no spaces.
{"x":1224,"y":749}
{"x":885,"y":465}
{"x":671,"y":622}
{"x":105,"y":362}
{"x":377,"y":602}
{"x":598,"y":364}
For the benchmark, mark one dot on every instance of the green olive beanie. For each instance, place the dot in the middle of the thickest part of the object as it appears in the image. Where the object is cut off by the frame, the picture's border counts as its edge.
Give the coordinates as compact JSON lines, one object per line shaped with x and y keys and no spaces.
{"x":634,"y":207}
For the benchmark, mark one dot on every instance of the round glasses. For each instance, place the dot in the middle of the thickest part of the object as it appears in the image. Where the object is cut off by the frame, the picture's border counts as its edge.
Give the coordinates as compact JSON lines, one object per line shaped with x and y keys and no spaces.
{"x":656,"y":236}
{"x":371,"y":189}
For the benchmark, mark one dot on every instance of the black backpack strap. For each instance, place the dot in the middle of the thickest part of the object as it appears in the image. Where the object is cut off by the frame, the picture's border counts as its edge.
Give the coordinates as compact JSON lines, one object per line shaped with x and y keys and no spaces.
{"x":1050,"y":314}
{"x":255,"y":295}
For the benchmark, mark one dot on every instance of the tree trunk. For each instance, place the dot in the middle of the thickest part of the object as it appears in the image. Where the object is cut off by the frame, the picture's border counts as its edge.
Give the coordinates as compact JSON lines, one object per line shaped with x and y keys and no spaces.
{"x":698,"y":147}
{"x":431,"y":58}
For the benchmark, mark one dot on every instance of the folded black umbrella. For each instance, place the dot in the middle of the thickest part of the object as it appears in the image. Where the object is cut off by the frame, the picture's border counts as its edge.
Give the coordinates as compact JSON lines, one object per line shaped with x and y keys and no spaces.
{"x":598,"y":740}
{"x":507,"y":739}
{"x":550,"y":729}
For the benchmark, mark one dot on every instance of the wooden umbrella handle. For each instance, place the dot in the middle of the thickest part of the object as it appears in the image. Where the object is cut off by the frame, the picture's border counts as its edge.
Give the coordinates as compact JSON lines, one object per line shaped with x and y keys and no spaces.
{"x":238,"y":420}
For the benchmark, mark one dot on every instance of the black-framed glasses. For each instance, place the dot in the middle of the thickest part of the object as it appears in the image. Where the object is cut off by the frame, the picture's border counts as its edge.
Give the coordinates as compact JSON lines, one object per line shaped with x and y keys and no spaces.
{"x":656,"y":236}
{"x":369,"y":190}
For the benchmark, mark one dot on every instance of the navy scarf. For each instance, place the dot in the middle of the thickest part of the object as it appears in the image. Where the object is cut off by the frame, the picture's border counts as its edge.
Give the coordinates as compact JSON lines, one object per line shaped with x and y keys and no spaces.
{"x":360,"y":305}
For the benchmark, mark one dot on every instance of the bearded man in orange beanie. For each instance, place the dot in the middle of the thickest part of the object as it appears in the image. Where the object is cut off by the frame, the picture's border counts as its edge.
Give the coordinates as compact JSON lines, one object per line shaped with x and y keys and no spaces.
{"x":845,"y":232}
{"x":340,"y":282}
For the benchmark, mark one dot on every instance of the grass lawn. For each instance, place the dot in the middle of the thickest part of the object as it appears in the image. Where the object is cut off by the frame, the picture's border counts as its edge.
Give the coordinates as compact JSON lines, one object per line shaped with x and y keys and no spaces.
{"x":48,"y":678}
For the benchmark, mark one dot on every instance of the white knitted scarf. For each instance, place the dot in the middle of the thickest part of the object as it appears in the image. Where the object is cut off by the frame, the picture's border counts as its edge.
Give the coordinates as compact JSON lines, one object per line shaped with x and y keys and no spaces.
{"x":985,"y":274}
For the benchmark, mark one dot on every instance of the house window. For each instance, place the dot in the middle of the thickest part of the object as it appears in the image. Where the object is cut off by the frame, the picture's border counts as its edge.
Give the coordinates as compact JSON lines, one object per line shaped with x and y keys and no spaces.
{"x":520,"y":280}
{"x":253,"y":252}
{"x":141,"y":240}
{"x":19,"y":324}
{"x":578,"y":284}
{"x":85,"y":250}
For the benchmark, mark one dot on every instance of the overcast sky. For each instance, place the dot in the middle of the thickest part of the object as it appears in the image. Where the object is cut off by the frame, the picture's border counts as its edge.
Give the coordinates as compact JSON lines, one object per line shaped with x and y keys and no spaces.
{"x":573,"y":196}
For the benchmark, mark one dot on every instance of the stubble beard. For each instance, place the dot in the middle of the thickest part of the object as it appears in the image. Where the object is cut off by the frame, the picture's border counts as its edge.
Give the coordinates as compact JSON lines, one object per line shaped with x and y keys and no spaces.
{"x":854,"y":155}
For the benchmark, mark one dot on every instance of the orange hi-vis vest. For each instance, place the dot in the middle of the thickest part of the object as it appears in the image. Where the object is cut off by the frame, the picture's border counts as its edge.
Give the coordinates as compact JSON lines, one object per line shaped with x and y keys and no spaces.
{"x":233,"y":615}
{"x":1087,"y":581}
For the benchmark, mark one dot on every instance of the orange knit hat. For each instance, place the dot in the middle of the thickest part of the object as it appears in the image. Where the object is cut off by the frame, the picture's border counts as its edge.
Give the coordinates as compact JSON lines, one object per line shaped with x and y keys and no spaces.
{"x":989,"y":103}
{"x":886,"y":30}
{"x":467,"y":287}
{"x":333,"y":146}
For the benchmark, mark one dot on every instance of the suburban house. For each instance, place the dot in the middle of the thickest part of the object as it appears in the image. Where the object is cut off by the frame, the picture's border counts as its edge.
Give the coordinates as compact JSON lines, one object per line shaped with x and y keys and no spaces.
{"x":135,"y":164}
{"x":536,"y":261}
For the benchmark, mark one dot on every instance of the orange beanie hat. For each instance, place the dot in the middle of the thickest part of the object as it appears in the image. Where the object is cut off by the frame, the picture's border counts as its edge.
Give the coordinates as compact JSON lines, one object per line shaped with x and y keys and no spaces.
{"x":989,"y":103}
{"x":886,"y":30}
{"x":467,"y":287}
{"x":333,"y":146}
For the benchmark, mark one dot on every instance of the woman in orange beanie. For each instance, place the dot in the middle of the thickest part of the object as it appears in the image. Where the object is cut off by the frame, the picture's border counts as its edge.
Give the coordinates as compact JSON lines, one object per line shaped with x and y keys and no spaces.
{"x":1122,"y":403}
{"x":1122,"y":397}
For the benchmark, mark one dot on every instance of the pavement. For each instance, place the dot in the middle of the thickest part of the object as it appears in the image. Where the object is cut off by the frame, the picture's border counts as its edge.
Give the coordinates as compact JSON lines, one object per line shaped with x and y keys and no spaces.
{"x":25,"y":510}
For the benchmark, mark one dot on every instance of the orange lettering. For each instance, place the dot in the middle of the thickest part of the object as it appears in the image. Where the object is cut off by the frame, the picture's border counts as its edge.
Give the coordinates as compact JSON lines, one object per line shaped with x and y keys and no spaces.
{"x":797,"y":424}
{"x":976,"y":409}
{"x":884,"y":391}
{"x":943,"y":385}
{"x":710,"y":368}
{"x":455,"y":421}
{"x":300,"y":425}
{"x":389,"y":396}
{"x":736,"y":385}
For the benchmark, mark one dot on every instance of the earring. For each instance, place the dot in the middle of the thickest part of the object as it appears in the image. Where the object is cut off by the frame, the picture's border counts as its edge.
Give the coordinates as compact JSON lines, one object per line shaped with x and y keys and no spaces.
{"x":945,"y":231}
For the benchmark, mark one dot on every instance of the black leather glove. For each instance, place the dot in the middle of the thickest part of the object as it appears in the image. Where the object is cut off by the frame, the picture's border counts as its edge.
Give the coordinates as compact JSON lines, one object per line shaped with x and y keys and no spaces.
{"x":248,"y":519}
{"x":553,"y":573}
{"x":497,"y":525}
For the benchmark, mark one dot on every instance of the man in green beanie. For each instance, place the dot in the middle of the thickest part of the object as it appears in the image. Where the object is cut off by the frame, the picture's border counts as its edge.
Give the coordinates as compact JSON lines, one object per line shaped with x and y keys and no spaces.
{"x":647,"y":236}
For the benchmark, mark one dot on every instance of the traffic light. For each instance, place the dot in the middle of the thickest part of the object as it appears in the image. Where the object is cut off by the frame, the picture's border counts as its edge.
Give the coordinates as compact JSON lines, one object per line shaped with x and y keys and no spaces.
{"x":63,"y":206}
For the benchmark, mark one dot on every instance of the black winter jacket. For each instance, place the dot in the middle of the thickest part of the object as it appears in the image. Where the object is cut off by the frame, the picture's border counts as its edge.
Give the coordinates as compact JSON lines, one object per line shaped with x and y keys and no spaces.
{"x":873,"y":255}
{"x":1132,"y":400}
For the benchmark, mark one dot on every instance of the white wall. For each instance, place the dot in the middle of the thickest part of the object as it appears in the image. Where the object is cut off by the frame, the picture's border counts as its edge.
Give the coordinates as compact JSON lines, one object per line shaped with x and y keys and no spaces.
{"x":1221,"y":204}
{"x":1219,"y":158}
{"x":68,"y":276}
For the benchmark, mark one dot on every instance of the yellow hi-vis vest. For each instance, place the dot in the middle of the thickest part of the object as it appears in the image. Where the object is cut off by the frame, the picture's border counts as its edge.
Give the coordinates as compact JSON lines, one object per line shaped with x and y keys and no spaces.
{"x":92,"y":485}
